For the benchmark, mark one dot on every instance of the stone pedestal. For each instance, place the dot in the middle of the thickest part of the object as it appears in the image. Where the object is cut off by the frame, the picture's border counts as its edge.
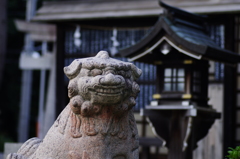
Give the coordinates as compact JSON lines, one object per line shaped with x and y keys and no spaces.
{"x":180,"y":127}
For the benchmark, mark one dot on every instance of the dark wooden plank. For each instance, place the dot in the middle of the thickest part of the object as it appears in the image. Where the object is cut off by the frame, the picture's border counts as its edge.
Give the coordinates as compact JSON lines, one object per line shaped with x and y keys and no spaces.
{"x":176,"y":135}
{"x":60,"y":86}
{"x":3,"y":35}
{"x":145,"y":141}
{"x":229,"y":93}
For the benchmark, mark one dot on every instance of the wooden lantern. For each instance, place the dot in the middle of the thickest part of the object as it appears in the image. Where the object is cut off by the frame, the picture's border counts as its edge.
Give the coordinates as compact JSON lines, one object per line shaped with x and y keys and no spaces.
{"x":181,"y":48}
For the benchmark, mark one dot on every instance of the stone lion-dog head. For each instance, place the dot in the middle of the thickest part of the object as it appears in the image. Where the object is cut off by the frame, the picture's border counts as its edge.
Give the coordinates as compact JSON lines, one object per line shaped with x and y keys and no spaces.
{"x":101,"y":80}
{"x":102,"y":93}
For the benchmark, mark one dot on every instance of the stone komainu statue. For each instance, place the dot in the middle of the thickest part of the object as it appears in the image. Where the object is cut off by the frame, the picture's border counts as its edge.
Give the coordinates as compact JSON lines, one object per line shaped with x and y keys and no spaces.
{"x":98,"y":122}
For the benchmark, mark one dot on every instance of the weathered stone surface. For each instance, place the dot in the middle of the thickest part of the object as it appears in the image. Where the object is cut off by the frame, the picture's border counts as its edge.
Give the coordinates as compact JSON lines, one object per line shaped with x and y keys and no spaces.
{"x":98,"y":122}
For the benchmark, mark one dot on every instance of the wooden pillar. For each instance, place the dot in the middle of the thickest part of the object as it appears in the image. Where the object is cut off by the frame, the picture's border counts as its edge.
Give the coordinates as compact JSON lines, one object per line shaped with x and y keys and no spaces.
{"x":26,"y":89}
{"x":3,"y":35}
{"x":189,"y":150}
{"x":229,"y":108}
{"x":60,"y":86}
{"x":191,"y":141}
{"x":229,"y":111}
{"x":50,"y":110}
{"x":145,"y":152}
{"x":177,"y":134}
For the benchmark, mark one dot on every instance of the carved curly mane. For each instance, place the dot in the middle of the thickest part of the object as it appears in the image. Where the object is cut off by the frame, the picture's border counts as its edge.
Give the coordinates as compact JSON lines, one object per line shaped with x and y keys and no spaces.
{"x":84,"y":113}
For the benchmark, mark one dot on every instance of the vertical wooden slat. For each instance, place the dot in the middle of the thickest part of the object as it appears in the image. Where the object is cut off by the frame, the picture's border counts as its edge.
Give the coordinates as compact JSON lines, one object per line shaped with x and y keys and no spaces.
{"x":176,"y":136}
{"x":229,"y":92}
{"x":60,"y":86}
{"x":3,"y":33}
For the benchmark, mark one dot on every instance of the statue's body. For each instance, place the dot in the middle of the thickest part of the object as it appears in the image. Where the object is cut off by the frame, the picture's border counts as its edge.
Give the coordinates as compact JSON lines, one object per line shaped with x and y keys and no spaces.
{"x":98,"y":122}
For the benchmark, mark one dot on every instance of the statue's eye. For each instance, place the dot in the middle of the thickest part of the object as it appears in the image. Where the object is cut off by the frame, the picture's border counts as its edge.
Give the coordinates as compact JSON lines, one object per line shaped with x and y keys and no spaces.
{"x":128,"y":74}
{"x":110,"y":71}
{"x":95,"y":72}
{"x":122,"y":73}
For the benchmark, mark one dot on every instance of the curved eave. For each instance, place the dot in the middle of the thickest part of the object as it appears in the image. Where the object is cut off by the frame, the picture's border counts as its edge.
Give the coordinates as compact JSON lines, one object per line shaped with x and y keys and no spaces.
{"x":222,"y":55}
{"x":197,"y":51}
{"x":171,"y":37}
{"x":142,"y":43}
{"x":166,"y":39}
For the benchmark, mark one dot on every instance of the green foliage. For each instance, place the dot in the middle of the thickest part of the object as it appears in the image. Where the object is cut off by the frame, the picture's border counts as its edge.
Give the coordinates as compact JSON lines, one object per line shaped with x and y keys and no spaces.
{"x":234,"y":153}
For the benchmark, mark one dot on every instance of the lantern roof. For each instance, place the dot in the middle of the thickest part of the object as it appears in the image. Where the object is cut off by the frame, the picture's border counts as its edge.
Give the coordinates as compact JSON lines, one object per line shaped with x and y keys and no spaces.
{"x":184,"y":31}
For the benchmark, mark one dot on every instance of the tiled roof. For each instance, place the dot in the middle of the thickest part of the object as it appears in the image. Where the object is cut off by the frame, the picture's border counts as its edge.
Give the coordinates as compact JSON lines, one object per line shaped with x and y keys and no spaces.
{"x":80,"y":10}
{"x":186,"y":32}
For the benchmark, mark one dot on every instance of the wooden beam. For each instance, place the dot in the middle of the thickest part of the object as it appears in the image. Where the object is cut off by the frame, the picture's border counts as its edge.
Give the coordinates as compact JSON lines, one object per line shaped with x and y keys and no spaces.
{"x":83,"y":10}
{"x":35,"y":27}
{"x":37,"y":31}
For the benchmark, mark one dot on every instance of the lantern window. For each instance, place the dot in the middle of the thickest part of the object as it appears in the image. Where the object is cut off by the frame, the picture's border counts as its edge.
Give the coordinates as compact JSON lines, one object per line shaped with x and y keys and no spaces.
{"x":174,"y":80}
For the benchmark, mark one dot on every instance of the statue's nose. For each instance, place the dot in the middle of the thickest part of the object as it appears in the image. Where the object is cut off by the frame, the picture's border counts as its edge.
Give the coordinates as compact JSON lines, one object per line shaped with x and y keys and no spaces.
{"x":110,"y":79}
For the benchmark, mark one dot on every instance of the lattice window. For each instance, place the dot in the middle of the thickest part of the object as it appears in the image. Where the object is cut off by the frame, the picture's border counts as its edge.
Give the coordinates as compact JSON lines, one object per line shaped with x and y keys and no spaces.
{"x":174,"y":80}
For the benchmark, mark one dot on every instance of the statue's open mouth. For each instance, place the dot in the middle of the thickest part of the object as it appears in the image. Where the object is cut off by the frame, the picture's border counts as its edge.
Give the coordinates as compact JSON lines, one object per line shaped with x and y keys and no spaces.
{"x":107,"y":91}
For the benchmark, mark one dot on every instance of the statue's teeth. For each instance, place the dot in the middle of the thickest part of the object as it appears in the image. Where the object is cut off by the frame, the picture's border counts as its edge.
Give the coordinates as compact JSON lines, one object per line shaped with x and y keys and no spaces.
{"x":108,"y":91}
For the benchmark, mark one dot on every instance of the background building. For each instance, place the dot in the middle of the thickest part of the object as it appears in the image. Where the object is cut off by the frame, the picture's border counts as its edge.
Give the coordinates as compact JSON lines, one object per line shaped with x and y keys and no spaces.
{"x":85,"y":27}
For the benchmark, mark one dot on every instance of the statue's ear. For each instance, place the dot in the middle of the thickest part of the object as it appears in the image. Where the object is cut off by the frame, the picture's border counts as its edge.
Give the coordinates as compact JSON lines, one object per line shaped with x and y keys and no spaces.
{"x":73,"y":69}
{"x":136,"y":72}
